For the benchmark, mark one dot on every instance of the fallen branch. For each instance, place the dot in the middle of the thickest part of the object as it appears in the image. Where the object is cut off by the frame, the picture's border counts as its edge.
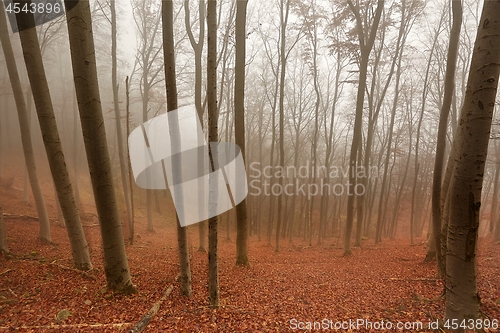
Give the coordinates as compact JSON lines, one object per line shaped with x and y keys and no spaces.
{"x":419,"y":279}
{"x":119,"y":325}
{"x":16,"y":216}
{"x":141,"y":324}
{"x":6,"y":271}
{"x":8,"y":301}
{"x":86,"y":274}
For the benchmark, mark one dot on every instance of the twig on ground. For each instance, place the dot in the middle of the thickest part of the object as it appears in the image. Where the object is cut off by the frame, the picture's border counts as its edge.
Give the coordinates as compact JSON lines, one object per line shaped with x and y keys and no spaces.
{"x":146,"y":319}
{"x":119,"y":325}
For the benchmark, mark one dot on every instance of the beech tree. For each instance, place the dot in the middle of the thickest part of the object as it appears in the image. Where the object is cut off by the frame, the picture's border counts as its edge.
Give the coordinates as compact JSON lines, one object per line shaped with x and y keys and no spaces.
{"x":4,"y":246}
{"x":94,"y":133}
{"x":24,"y":123}
{"x":171,"y":87}
{"x":239,"y":128}
{"x":198,"y":51}
{"x":116,"y":105}
{"x":471,"y":147}
{"x":213,"y":136}
{"x":52,"y":142}
{"x":366,"y":41}
{"x":449,"y":86}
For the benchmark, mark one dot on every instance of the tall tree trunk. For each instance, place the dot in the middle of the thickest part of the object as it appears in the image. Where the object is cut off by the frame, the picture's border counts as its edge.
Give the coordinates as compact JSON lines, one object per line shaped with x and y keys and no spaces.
{"x":171,"y":86}
{"x":121,"y":153}
{"x":284,"y":10}
{"x":449,"y":86}
{"x":462,"y":299}
{"x":53,"y":147}
{"x":89,"y":104}
{"x":366,"y":45}
{"x":239,"y":128}
{"x":198,"y":52}
{"x":24,"y":122}
{"x":494,"y":201}
{"x":4,"y":246}
{"x":213,"y":136}
{"x":75,"y":152}
{"x":129,"y":169}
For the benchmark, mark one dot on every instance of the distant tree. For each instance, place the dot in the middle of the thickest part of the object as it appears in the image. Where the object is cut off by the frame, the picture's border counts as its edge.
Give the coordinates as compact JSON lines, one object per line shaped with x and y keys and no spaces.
{"x":239,"y":130}
{"x":53,"y":147}
{"x":284,"y":14}
{"x":171,"y":87}
{"x":471,"y":147}
{"x":4,"y":246}
{"x":366,"y":40}
{"x":94,"y":133}
{"x":147,"y":21}
{"x":116,"y":105}
{"x":198,"y":51}
{"x":449,"y":86}
{"x":24,"y":123}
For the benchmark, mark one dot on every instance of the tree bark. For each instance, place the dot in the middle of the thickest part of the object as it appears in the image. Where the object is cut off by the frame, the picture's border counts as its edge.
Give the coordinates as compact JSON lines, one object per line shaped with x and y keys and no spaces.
{"x":449,"y":86}
{"x":24,"y":123}
{"x":89,"y":104}
{"x":171,"y":86}
{"x":198,"y":51}
{"x":239,"y":128}
{"x":4,"y":246}
{"x":53,"y":147}
{"x":121,"y":153}
{"x":462,"y":299}
{"x":366,"y":45}
{"x":213,"y":136}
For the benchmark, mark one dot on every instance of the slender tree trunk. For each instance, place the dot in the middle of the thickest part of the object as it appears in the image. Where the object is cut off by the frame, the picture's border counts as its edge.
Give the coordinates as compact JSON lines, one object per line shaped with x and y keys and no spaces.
{"x":171,"y":86}
{"x":129,"y":169}
{"x":213,"y":265}
{"x":366,"y":45}
{"x":4,"y":246}
{"x":24,"y":123}
{"x":75,"y":152}
{"x":239,"y":128}
{"x":89,"y":104}
{"x":462,"y":299}
{"x":198,"y":51}
{"x":284,"y":10}
{"x":449,"y":86}
{"x":494,"y":201}
{"x":121,"y":153}
{"x":51,"y":140}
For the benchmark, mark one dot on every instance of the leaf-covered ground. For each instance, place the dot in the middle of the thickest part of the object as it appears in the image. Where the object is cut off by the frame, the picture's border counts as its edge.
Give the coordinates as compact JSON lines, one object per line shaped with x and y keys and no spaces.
{"x":279,"y":291}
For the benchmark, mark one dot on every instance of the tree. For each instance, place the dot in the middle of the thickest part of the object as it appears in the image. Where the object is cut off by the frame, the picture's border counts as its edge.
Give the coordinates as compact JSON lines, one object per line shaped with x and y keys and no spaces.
{"x":471,"y":147}
{"x":24,"y":123}
{"x":121,"y":153}
{"x":239,"y":128}
{"x":4,"y":246}
{"x":53,"y":147}
{"x":366,"y":41}
{"x":449,"y":86}
{"x":213,"y":136}
{"x":148,"y":26}
{"x":171,"y":87}
{"x":284,"y":12}
{"x":94,"y":133}
{"x":198,"y":51}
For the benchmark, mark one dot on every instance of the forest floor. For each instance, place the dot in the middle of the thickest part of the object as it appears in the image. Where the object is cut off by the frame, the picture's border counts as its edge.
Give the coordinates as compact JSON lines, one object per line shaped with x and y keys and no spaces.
{"x":279,"y":292}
